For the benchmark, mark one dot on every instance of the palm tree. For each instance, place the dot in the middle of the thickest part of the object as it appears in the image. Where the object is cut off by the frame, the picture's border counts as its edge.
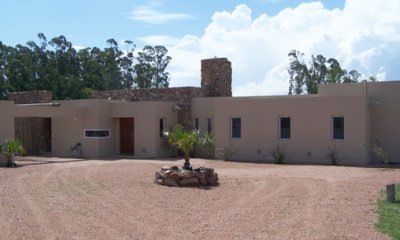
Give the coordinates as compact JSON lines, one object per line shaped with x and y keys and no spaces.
{"x":183,"y":140}
{"x":9,"y":149}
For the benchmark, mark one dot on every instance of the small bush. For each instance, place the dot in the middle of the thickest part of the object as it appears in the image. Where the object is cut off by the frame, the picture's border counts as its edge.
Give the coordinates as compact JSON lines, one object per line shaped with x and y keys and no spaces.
{"x":334,"y":155}
{"x":279,"y":154}
{"x":226,"y":153}
{"x":205,"y":146}
{"x":11,"y":148}
{"x":379,"y":153}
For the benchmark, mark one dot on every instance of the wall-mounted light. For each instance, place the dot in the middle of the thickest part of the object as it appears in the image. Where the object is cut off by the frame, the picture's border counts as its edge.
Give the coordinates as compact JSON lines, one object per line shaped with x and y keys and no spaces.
{"x":175,"y":107}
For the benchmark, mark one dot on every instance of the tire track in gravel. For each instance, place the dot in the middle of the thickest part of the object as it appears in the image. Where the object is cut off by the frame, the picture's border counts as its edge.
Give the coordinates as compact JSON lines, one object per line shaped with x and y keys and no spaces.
{"x":24,"y":185}
{"x":82,"y":209}
{"x":252,"y":202}
{"x":301,"y":205}
{"x":105,"y":207}
{"x":59,"y":201}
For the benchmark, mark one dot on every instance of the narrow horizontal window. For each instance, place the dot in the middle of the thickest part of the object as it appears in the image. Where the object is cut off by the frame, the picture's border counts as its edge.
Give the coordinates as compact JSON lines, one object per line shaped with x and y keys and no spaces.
{"x":97,"y":133}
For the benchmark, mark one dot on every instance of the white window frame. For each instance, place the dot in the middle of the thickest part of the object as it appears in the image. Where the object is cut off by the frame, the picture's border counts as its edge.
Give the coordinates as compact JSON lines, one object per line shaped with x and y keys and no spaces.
{"x":96,"y":129}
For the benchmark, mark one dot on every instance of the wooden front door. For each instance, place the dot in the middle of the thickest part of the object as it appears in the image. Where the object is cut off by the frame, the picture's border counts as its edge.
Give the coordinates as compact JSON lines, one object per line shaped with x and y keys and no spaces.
{"x":126,"y":133}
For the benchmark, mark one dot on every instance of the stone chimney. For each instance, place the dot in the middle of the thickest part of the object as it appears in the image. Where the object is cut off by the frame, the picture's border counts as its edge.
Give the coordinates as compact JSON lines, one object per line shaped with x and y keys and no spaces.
{"x":216,"y":77}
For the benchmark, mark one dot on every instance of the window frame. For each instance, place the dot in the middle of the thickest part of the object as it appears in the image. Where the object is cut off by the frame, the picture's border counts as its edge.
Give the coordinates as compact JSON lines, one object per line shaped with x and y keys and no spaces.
{"x":333,"y":128}
{"x":98,"y":130}
{"x":240,"y":128}
{"x":280,"y":128}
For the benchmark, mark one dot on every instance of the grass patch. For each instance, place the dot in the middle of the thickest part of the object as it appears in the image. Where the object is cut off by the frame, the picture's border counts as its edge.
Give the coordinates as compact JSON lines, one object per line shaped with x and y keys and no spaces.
{"x":389,"y":215}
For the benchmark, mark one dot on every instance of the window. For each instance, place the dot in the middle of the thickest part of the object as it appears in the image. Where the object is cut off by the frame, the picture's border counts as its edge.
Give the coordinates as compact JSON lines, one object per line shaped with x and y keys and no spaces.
{"x":196,"y":124}
{"x":236,"y":128}
{"x":162,"y":126}
{"x":338,"y":128}
{"x":97,"y":133}
{"x":209,"y":125}
{"x":284,"y":128}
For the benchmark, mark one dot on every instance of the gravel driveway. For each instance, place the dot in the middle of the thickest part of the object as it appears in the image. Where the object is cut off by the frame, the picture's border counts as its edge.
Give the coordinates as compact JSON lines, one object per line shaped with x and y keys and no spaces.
{"x":117,"y":199}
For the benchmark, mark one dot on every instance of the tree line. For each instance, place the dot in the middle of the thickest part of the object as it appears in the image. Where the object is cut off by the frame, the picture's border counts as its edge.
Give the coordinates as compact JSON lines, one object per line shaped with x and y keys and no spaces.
{"x":69,"y":73}
{"x":304,"y":78}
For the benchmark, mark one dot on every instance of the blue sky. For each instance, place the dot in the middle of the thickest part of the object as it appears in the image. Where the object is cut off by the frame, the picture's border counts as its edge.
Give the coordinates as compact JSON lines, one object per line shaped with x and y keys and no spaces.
{"x":92,"y":22}
{"x":255,"y":35}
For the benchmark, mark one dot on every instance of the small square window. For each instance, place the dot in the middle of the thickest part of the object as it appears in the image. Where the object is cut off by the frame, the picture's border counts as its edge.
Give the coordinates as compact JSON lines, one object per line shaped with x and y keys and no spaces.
{"x":236,"y":128}
{"x":284,"y":127}
{"x":338,"y":128}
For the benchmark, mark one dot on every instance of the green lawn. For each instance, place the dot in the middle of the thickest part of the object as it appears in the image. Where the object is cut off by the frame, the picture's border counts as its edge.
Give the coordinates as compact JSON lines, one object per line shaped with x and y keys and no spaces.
{"x":389,"y":215}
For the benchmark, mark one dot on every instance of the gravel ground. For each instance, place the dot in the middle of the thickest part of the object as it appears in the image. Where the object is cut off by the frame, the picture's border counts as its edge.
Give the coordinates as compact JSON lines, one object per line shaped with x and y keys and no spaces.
{"x":54,"y":198}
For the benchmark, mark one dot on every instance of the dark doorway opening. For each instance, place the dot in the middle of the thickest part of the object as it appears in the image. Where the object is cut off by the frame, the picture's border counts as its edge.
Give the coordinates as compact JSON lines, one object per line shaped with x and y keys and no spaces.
{"x":126,"y":135}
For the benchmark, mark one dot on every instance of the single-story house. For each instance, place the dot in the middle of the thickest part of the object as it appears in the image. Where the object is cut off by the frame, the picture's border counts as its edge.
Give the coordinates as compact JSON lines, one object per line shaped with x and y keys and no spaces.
{"x":346,"y":117}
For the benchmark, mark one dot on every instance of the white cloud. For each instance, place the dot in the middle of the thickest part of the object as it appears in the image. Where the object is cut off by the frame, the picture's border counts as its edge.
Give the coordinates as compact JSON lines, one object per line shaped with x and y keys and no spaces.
{"x":149,"y":14}
{"x":160,"y":40}
{"x":78,"y":47}
{"x":363,"y":36}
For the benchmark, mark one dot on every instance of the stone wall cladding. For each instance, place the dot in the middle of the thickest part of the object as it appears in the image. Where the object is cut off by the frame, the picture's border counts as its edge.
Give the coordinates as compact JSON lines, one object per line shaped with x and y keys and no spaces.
{"x":182,"y":96}
{"x":40,"y":96}
{"x":216,"y":77}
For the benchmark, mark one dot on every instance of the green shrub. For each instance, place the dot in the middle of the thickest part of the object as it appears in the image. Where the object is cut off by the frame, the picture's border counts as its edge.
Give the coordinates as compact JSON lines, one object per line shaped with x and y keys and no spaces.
{"x":226,"y":153}
{"x":10,"y":148}
{"x":379,"y":153}
{"x":279,"y":154}
{"x":334,"y":155}
{"x":204,"y":147}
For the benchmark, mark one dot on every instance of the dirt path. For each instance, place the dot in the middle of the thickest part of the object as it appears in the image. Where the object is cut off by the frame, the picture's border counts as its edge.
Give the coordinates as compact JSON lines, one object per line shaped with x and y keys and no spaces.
{"x":118,"y":200}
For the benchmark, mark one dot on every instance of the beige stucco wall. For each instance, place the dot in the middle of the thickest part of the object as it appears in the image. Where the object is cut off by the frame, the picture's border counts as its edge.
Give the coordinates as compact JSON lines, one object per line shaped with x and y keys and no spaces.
{"x":69,"y":130}
{"x":310,"y":126}
{"x":148,"y":143}
{"x":385,"y":116}
{"x":71,"y":118}
{"x":6,"y":124}
{"x":6,"y":120}
{"x":347,"y":89}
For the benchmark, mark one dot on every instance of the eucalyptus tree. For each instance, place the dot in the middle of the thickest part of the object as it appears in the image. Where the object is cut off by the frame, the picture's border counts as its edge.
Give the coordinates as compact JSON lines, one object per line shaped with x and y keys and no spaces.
{"x":112,"y":75}
{"x":304,"y":78}
{"x":69,"y":73}
{"x":151,"y":67}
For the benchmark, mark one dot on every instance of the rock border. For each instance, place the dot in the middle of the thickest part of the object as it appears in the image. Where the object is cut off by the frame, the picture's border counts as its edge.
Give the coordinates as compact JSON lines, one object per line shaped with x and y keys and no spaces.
{"x":175,"y":177}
